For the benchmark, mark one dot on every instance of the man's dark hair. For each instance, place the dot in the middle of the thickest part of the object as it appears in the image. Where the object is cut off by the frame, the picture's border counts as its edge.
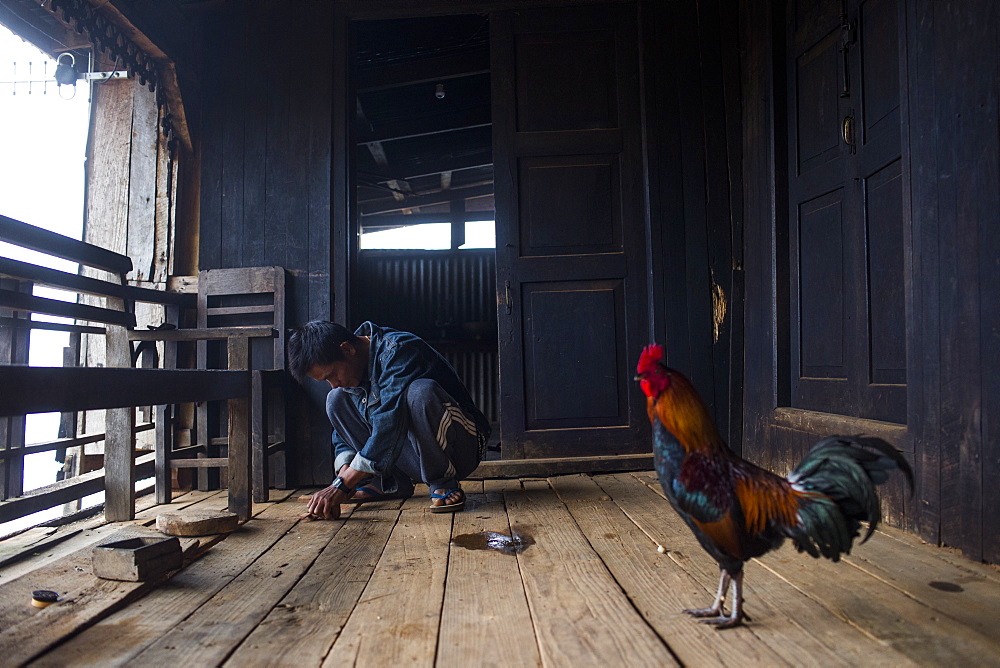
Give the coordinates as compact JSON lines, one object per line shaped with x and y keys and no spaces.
{"x":316,"y":342}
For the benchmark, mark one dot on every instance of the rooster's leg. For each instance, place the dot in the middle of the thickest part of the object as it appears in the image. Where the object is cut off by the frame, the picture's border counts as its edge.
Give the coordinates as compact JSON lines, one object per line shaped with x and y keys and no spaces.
{"x":737,"y":615}
{"x":720,"y":598}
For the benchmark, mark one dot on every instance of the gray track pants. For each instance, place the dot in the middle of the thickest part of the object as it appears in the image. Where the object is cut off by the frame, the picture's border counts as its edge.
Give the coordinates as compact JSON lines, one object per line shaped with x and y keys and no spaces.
{"x":441,"y":448}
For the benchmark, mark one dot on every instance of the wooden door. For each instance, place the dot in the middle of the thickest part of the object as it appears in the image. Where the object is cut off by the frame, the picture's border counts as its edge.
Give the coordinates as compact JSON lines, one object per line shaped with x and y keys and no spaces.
{"x":846,"y":273}
{"x":570,"y":242}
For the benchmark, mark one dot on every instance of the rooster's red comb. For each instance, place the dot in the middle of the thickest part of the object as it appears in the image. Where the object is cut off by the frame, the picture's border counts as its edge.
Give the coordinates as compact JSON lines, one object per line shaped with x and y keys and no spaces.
{"x":650,"y":357}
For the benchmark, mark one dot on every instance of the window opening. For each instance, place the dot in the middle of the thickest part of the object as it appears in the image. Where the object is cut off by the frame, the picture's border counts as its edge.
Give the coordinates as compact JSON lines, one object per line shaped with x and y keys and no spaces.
{"x":44,"y":139}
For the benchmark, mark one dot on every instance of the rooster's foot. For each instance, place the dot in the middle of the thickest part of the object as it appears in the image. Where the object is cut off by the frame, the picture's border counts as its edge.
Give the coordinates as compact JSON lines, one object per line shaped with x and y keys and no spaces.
{"x":723,"y":622}
{"x":714,"y":611}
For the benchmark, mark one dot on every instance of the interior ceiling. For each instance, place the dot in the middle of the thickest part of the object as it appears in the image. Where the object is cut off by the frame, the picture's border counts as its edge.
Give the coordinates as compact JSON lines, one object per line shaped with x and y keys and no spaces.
{"x":419,"y":155}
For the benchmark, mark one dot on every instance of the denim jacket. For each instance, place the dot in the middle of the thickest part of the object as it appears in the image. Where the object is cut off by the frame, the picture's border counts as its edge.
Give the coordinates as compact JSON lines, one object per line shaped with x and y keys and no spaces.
{"x":395,"y":360}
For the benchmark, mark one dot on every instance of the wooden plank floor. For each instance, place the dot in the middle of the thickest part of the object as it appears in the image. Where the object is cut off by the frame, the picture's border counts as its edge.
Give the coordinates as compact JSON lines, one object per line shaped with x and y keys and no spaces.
{"x":385,"y":585}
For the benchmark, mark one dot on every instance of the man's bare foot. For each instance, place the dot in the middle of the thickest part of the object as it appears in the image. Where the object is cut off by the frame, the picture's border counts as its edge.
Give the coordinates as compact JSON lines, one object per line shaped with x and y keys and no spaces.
{"x":447,"y":500}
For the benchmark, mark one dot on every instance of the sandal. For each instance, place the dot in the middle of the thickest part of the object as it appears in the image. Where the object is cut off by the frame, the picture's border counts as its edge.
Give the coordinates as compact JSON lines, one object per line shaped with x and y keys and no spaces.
{"x":374,"y":494}
{"x":448,"y":507}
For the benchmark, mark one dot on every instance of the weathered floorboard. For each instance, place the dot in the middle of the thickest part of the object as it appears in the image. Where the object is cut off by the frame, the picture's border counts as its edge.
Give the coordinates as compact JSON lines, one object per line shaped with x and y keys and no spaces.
{"x":571,"y":594}
{"x":301,"y":629}
{"x":211,"y":633}
{"x":140,"y":625}
{"x":484,"y":601}
{"x":657,"y":586}
{"x":790,"y":623}
{"x":396,"y":620}
{"x":385,"y":586}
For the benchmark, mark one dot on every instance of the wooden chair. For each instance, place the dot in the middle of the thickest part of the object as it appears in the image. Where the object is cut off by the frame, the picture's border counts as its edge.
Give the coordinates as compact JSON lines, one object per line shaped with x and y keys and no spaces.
{"x":240,"y":325}
{"x":251,"y":297}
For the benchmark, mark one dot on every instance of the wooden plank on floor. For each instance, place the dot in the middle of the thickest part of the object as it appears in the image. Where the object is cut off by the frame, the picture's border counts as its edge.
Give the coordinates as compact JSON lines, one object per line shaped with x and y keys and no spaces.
{"x":898,"y":600}
{"x":924,"y":634}
{"x":396,"y":620}
{"x":961,"y":593}
{"x":96,"y":529}
{"x":485,"y":620}
{"x":657,"y":586}
{"x":28,"y":631}
{"x":948,"y":555}
{"x":78,"y":608}
{"x":581,"y":615}
{"x":139,"y":625}
{"x":791,"y":624}
{"x":213,"y":631}
{"x":62,"y":572}
{"x":472,"y":486}
{"x":300,"y":630}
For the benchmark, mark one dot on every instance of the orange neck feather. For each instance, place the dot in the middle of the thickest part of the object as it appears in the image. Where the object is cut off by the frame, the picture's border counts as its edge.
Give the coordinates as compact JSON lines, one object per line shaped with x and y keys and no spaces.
{"x":686,"y":416}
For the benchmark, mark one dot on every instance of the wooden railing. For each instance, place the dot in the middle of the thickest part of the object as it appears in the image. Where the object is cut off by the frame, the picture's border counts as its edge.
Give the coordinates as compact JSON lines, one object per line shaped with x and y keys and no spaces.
{"x":116,"y":388}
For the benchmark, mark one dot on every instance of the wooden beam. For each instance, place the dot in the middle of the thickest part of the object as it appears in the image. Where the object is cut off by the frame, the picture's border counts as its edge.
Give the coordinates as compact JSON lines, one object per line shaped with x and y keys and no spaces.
{"x":201,"y":334}
{"x":50,"y":326}
{"x":62,"y":443}
{"x":549,"y":466}
{"x":240,"y":429}
{"x":429,"y":167}
{"x":443,"y":197}
{"x":36,"y":238}
{"x":88,"y":285}
{"x":425,"y":70}
{"x":392,"y":220}
{"x":70,"y":489}
{"x":478,"y":117}
{"x":54,"y":389}
{"x":19,"y":301}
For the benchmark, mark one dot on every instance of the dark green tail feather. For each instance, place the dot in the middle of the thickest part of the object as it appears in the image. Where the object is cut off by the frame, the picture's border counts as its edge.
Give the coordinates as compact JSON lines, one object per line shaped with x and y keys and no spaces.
{"x":845,"y":469}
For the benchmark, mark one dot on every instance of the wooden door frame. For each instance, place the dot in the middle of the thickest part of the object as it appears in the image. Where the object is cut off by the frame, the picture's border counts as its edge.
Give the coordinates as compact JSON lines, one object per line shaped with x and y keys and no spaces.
{"x":777,"y":435}
{"x":342,"y":200}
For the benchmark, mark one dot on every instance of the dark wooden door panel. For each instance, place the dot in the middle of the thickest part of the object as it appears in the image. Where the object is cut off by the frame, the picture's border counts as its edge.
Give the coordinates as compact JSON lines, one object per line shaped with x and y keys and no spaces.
{"x":811,"y":18}
{"x":570,"y":239}
{"x":548,"y":99}
{"x":818,"y":82}
{"x":570,"y":205}
{"x":845,"y":270}
{"x":880,"y":67}
{"x":573,"y":335}
{"x":821,"y":287}
{"x":886,"y":296}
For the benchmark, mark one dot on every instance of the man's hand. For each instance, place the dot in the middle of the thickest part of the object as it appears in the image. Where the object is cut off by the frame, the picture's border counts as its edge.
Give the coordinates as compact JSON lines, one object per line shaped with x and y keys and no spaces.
{"x":325,"y":504}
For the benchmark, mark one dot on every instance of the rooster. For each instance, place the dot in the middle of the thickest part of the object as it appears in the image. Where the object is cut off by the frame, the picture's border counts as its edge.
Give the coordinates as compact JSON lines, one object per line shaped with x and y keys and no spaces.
{"x":739,"y":511}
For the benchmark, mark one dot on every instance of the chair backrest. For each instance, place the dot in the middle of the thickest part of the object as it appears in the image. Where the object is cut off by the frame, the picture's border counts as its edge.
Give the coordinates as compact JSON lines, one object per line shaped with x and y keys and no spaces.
{"x":245,"y":296}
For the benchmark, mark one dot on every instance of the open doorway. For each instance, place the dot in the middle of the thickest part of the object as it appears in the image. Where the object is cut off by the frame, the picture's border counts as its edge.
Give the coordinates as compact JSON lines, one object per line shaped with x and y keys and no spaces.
{"x":424,"y":253}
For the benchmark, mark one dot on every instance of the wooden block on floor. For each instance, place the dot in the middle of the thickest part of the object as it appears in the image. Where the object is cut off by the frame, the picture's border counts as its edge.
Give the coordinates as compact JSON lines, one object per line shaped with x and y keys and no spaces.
{"x":136,"y":559}
{"x":196,"y":523}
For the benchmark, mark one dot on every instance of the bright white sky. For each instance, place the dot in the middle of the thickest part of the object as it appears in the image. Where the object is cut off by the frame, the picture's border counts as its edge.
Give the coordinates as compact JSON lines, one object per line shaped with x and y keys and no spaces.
{"x":430,"y":236}
{"x":43,"y":142}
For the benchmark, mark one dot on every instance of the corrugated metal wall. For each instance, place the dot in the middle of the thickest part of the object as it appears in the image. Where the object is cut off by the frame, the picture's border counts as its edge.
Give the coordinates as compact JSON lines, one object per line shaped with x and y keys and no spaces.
{"x":447,"y":298}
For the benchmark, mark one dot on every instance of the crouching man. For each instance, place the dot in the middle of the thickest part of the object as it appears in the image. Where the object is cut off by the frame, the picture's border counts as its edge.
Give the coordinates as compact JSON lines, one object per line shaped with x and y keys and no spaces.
{"x":399,"y":413}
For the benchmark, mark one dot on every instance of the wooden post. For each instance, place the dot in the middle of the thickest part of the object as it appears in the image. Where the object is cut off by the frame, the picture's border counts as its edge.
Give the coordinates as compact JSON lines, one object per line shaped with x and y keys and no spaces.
{"x":239,"y":435}
{"x":164,"y":441}
{"x":259,"y":431}
{"x":13,"y":350}
{"x":119,"y":423}
{"x":164,"y":417}
{"x":71,"y":457}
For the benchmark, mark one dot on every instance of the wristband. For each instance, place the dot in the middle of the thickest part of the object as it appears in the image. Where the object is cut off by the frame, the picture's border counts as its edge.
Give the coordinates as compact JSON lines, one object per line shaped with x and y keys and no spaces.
{"x":339,"y":483}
